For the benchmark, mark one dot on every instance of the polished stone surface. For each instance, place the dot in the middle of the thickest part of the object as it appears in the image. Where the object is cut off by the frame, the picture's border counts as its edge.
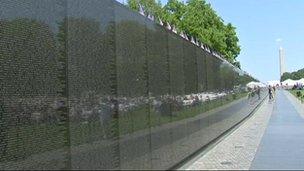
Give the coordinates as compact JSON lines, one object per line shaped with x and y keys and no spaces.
{"x":93,"y":85}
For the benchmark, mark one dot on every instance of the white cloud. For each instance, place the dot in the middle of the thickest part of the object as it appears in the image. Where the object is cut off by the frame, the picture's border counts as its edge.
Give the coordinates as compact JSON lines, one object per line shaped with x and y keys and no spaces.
{"x":279,"y":40}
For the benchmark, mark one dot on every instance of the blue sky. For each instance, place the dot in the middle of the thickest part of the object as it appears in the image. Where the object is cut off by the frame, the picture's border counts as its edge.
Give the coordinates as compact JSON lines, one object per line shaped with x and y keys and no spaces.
{"x":260,"y":23}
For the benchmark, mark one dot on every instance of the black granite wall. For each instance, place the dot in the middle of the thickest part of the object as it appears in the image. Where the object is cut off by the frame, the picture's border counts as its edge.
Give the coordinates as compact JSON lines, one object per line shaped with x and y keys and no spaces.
{"x":88,"y":84}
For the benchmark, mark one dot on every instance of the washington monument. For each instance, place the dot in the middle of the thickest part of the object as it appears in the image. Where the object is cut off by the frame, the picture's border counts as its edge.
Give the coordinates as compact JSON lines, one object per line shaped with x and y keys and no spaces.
{"x":282,"y":61}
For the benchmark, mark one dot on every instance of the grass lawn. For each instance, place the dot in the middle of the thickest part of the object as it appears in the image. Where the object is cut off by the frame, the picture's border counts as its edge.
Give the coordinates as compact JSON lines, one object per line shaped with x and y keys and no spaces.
{"x":294,"y":92}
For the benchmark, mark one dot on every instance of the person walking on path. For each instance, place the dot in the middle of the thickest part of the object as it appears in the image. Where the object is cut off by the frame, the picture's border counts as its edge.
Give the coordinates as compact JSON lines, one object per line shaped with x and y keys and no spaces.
{"x":270,"y":93}
{"x":259,"y":92}
{"x":274,"y":91}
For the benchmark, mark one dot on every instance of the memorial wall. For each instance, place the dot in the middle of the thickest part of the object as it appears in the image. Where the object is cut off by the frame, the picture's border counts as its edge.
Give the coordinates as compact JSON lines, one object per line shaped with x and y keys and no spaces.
{"x":89,"y":84}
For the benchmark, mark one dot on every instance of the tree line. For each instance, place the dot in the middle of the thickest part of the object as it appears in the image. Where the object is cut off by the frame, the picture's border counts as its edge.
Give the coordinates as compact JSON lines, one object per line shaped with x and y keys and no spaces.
{"x":293,"y":75}
{"x":197,"y":19}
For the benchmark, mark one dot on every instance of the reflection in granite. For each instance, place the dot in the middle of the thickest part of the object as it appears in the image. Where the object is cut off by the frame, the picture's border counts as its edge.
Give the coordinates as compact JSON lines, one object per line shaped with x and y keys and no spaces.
{"x":92,"y":85}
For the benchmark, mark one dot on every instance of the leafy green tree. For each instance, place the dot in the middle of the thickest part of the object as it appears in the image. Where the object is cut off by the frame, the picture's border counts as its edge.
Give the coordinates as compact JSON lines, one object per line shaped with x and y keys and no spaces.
{"x":197,"y":19}
{"x":232,"y":49}
{"x":285,"y":76}
{"x":201,"y":21}
{"x":293,"y":75}
{"x":150,"y":7}
{"x":174,"y":11}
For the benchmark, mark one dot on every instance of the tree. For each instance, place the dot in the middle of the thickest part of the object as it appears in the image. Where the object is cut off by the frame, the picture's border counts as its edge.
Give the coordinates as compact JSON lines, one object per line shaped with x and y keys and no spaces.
{"x":285,"y":76}
{"x":293,"y":75}
{"x":232,"y":49}
{"x":197,"y":19}
{"x":201,"y":21}
{"x":150,"y":7}
{"x":174,"y":11}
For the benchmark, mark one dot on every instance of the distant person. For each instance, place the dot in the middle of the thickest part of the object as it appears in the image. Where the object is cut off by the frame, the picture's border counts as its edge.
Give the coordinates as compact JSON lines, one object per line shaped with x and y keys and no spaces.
{"x":270,"y":92}
{"x":259,"y":92}
{"x":274,"y":91}
{"x":196,"y":101}
{"x":249,"y":92}
{"x":105,"y":116}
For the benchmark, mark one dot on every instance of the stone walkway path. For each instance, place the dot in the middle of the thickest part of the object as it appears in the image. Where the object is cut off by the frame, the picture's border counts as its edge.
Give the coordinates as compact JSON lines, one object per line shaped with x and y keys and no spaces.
{"x":273,"y":138}
{"x":282,"y":146}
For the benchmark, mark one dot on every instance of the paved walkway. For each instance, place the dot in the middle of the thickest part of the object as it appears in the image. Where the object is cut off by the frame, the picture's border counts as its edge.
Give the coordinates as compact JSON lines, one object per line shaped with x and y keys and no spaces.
{"x":273,"y":138}
{"x":282,"y":146}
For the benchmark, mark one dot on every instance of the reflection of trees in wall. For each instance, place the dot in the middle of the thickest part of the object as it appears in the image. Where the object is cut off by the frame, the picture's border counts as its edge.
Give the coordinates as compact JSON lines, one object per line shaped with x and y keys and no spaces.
{"x":213,"y":73}
{"x":227,"y":73}
{"x":177,"y":76}
{"x":201,"y":70}
{"x":131,"y":59}
{"x":157,"y":57}
{"x":3,"y":132}
{"x":218,"y":76}
{"x":62,"y":58}
{"x":243,"y":79}
{"x":28,"y":58}
{"x":87,"y":49}
{"x":90,"y":57}
{"x":190,"y":68}
{"x":28,"y":63}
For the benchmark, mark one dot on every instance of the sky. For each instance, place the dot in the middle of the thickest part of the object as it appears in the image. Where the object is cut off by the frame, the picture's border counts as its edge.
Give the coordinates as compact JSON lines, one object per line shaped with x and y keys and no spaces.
{"x":262,"y":27}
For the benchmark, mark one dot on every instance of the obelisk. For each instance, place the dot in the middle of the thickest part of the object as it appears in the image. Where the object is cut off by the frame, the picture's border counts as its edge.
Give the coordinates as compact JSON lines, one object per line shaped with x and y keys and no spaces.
{"x":282,"y":61}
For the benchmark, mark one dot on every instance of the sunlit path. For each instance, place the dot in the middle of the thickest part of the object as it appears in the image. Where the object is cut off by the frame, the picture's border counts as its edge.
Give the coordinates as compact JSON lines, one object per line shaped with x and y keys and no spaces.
{"x":273,"y":138}
{"x":282,"y":146}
